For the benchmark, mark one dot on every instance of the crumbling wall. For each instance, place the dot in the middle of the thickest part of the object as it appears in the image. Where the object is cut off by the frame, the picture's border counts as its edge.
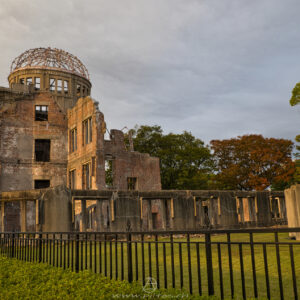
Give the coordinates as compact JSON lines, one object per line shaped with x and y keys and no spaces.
{"x":18,"y":131}
{"x":87,"y":153}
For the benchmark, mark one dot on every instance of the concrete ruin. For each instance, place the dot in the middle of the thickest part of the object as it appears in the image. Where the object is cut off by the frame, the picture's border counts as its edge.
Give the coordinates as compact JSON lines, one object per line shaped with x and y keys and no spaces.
{"x":62,"y":209}
{"x":52,"y":131}
{"x":59,"y":173}
{"x":292,"y":199}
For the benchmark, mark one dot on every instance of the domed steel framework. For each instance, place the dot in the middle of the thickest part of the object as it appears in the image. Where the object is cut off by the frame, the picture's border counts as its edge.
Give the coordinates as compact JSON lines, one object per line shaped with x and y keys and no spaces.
{"x":50,"y":58}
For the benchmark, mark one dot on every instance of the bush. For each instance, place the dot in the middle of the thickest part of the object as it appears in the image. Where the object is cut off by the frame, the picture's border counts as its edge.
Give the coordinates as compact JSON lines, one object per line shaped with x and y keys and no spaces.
{"x":25,"y":280}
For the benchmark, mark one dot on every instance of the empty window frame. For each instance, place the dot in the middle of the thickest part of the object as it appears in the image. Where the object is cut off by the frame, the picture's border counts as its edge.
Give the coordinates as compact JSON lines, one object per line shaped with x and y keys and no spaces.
{"x":41,"y":113}
{"x":66,"y":86}
{"x":73,"y":140}
{"x":83,"y":90}
{"x":42,"y":150}
{"x":72,"y":179}
{"x":109,"y":173}
{"x":28,"y":80}
{"x":86,"y":178}
{"x":22,"y":80}
{"x":37,"y":83}
{"x":41,"y":184}
{"x":52,"y":83}
{"x":59,"y":85}
{"x":78,"y":90}
{"x":87,"y":131}
{"x":131,"y":183}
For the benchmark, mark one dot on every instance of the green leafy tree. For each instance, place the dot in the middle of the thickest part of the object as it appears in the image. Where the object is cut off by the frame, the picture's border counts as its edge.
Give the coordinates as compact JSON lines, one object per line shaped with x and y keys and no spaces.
{"x":185,"y":162}
{"x":295,"y":99}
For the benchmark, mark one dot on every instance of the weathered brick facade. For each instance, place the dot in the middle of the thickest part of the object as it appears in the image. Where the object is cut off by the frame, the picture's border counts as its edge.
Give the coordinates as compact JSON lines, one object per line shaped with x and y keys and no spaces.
{"x":52,"y":132}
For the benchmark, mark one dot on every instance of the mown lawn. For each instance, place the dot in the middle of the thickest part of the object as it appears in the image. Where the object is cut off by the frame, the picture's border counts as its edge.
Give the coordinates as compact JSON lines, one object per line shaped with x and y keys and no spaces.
{"x":31,"y":280}
{"x":113,"y":268}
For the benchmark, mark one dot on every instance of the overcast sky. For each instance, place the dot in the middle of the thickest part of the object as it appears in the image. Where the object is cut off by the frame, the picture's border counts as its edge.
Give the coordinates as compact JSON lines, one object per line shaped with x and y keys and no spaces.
{"x":217,"y":68}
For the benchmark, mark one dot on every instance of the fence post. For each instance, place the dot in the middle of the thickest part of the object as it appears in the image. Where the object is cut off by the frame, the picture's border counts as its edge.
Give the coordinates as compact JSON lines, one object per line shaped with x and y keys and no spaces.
{"x":40,"y":236}
{"x":77,"y":253}
{"x":13,"y":245}
{"x":210,"y":276}
{"x":129,"y":257}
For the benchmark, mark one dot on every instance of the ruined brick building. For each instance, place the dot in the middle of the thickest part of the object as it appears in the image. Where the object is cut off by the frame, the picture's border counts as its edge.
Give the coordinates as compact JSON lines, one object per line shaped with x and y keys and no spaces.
{"x":52,"y":131}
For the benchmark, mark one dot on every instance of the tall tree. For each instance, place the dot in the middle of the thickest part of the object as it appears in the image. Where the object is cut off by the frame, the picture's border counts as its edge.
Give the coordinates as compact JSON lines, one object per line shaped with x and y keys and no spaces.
{"x":295,"y":99}
{"x":252,"y":162}
{"x":185,"y":162}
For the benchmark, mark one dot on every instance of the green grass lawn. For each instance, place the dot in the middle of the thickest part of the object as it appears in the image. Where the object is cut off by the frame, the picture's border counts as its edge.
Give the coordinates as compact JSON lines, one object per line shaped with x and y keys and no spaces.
{"x":113,"y":270}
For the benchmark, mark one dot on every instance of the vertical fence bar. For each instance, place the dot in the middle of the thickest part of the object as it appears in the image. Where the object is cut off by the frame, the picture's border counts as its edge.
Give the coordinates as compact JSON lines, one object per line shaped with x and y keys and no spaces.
{"x":266,"y":271}
{"x":129,"y":257}
{"x":220,"y":271}
{"x":230,"y":265}
{"x":116,"y":256}
{"x":105,"y":256}
{"x":110,"y":259}
{"x":180,"y":264}
{"x":143,"y":259}
{"x":85,"y":251}
{"x":76,"y":253}
{"x":91,"y":254}
{"x":172,"y":261}
{"x":210,"y":276}
{"x":136,"y":262}
{"x":40,"y":237}
{"x":100,"y":256}
{"x":189,"y":264}
{"x":198,"y":269}
{"x":165,"y":266}
{"x":157,"y":262}
{"x":122,"y":261}
{"x":95,"y":253}
{"x":253,"y":265}
{"x":60,"y":250}
{"x":149,"y":259}
{"x":293,"y":272}
{"x":279,"y":266}
{"x":242,"y":270}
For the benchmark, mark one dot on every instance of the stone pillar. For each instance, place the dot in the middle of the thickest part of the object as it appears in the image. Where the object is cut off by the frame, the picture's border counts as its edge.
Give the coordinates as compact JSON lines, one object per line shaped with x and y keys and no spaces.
{"x":83,"y":216}
{"x":2,"y":216}
{"x":98,"y":215}
{"x":23,"y":215}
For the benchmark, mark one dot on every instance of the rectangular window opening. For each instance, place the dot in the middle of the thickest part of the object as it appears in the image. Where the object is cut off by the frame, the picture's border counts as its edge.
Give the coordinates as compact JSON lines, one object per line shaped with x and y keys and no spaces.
{"x":131,"y":183}
{"x":109,"y":173}
{"x":72,"y":179}
{"x":42,"y":150}
{"x":28,"y":80}
{"x":87,"y":131}
{"x":22,"y":80}
{"x":41,"y":184}
{"x":52,"y":84}
{"x":59,"y":85}
{"x":66,"y":86}
{"x":78,"y":90}
{"x":86,"y":178}
{"x":73,"y":140}
{"x":41,"y":113}
{"x":37,"y":83}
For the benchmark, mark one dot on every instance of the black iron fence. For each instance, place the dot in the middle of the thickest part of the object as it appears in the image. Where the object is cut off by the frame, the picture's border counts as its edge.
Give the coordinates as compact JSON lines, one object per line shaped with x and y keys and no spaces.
{"x":256,"y":263}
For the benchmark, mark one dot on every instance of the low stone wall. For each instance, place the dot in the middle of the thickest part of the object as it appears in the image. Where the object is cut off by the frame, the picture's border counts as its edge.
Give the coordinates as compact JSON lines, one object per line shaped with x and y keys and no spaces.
{"x":62,"y":209}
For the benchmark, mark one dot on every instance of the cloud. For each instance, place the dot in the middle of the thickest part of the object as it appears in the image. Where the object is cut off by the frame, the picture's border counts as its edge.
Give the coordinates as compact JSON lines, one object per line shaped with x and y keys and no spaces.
{"x":215,"y":68}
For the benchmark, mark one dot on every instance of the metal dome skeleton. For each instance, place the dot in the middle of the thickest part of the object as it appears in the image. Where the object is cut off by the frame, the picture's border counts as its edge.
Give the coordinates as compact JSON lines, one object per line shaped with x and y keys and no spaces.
{"x":50,"y":58}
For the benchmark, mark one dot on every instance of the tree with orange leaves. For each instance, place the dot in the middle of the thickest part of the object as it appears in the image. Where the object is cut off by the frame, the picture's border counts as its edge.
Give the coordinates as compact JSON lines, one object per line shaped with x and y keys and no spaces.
{"x":252,"y":162}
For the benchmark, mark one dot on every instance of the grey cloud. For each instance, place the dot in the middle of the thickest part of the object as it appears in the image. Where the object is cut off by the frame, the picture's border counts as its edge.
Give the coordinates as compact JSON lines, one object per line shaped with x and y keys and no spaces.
{"x":215,"y":68}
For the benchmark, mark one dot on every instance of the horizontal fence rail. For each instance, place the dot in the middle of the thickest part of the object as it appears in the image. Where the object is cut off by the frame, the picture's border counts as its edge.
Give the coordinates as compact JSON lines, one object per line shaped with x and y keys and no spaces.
{"x":247,"y":263}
